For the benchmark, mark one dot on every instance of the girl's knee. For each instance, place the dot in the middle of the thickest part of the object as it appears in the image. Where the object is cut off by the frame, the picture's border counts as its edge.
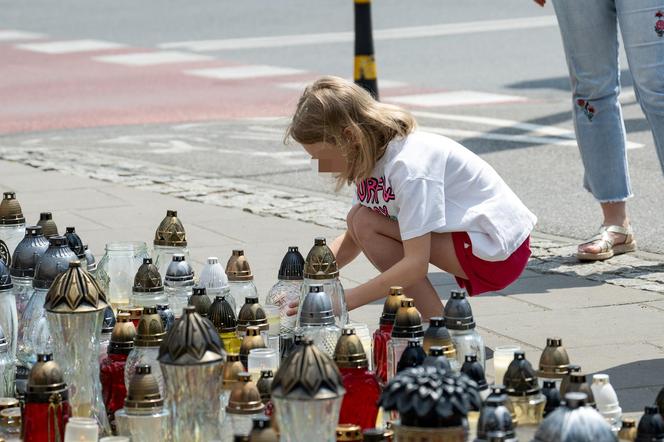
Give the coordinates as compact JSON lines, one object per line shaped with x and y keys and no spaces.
{"x":363,"y":223}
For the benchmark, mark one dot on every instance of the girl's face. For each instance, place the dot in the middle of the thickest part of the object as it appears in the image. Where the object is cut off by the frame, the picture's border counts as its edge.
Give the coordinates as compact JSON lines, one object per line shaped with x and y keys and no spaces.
{"x":327,"y":156}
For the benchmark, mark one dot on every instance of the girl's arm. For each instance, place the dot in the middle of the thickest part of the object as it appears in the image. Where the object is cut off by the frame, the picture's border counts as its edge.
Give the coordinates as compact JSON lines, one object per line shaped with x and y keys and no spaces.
{"x":412,"y":268}
{"x":344,"y":249}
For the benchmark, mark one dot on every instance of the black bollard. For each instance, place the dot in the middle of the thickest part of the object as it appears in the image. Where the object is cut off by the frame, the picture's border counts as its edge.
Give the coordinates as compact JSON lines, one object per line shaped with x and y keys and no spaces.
{"x":365,"y":62}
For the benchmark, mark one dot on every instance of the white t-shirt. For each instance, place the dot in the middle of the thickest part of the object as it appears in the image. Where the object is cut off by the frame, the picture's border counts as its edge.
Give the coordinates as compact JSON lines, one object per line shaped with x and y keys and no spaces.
{"x":430,"y":183}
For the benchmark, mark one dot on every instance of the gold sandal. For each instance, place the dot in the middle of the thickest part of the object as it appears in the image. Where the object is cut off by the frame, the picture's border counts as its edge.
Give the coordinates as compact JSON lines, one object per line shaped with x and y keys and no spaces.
{"x":607,"y":248}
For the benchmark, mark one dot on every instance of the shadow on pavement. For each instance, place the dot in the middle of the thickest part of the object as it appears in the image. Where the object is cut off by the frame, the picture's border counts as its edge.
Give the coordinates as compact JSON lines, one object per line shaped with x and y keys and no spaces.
{"x":635,"y":381}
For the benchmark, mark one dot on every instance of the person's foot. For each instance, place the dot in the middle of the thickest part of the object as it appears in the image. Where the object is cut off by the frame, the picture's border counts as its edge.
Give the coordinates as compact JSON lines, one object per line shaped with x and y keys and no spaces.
{"x":610,"y":241}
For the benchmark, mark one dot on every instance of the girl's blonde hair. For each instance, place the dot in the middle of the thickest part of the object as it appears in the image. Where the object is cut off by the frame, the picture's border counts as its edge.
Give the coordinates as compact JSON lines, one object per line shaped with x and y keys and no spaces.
{"x":336,"y":111}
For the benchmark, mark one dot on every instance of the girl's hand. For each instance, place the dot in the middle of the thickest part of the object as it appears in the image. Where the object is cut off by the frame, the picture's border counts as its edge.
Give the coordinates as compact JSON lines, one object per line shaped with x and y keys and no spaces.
{"x":540,"y":2}
{"x":292,"y":308}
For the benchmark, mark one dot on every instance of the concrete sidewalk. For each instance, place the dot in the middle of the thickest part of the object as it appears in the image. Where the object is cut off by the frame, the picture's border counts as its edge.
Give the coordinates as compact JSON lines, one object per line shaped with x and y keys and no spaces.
{"x":605,"y":327}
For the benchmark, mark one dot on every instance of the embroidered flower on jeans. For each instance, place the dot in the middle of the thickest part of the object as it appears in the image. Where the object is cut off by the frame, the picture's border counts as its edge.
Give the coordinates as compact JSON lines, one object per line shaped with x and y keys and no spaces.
{"x":659,"y":25}
{"x":588,"y":109}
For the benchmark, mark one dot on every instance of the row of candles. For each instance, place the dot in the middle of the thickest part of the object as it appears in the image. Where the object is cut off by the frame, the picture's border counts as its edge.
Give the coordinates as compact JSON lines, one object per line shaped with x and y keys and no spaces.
{"x":250,"y":332}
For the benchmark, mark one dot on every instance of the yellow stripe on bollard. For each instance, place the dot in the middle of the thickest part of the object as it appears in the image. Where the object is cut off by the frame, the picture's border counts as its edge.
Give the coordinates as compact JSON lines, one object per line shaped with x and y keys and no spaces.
{"x":365,"y":68}
{"x":362,"y":1}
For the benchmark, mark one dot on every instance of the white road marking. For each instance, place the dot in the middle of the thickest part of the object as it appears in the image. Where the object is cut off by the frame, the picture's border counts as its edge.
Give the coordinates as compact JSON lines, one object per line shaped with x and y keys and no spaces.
{"x":382,"y":34}
{"x":533,"y":129}
{"x":11,"y":35}
{"x":175,"y":147}
{"x":152,"y":58}
{"x":242,"y":72}
{"x":70,"y":46}
{"x":454,"y":98}
{"x":382,"y":84}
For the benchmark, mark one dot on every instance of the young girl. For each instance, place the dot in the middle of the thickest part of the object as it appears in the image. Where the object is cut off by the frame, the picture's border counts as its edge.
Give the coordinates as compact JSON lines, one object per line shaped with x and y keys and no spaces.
{"x":419,"y":198}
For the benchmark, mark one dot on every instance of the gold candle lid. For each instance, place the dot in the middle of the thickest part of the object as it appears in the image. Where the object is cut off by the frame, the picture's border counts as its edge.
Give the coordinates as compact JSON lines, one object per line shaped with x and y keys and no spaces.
{"x":170,"y":232}
{"x":8,"y":402}
{"x":232,"y":369}
{"x":10,"y":417}
{"x":321,"y":262}
{"x":238,"y":268}
{"x":245,"y":398}
{"x":75,"y":291}
{"x":349,"y":433}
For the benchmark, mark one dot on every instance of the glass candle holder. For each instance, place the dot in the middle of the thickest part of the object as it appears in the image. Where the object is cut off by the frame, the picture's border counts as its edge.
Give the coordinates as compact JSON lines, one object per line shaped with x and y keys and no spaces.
{"x":213,"y":278}
{"x":240,"y":279}
{"x":606,"y":400}
{"x":117,"y":268}
{"x":24,"y":261}
{"x":149,"y":336}
{"x":81,"y":429}
{"x":7,"y":368}
{"x":262,"y":359}
{"x":12,"y":225}
{"x":288,"y":287}
{"x":407,"y":325}
{"x":148,"y":289}
{"x":503,"y":355}
{"x":179,"y":283}
{"x":244,"y":405}
{"x":461,"y":326}
{"x":273,"y":315}
{"x":362,"y":332}
{"x":222,"y":315}
{"x":252,"y":339}
{"x":9,"y":316}
{"x":384,"y":332}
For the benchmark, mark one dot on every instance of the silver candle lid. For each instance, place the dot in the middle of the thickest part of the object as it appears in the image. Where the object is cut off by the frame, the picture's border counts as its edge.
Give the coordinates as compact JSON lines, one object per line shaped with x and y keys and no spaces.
{"x":317,"y":307}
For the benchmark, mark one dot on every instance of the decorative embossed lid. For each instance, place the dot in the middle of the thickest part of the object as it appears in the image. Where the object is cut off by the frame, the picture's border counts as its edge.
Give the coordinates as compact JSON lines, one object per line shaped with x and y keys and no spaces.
{"x":238,"y":268}
{"x":245,"y":398}
{"x":200,"y":300}
{"x":222,"y":315}
{"x":10,"y":210}
{"x":179,"y":270}
{"x":391,"y":305}
{"x":143,"y":391}
{"x":251,"y":314}
{"x":408,"y":322}
{"x":193,"y":340}
{"x":320,"y":262}
{"x":170,"y":232}
{"x":28,"y":252}
{"x":75,"y":291}
{"x":150,"y":331}
{"x":349,"y":352}
{"x":122,"y":338}
{"x":148,"y":279}
{"x":307,"y":374}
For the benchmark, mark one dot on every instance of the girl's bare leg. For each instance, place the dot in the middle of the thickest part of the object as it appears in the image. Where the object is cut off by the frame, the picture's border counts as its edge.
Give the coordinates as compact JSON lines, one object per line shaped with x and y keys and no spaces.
{"x":380,"y":240}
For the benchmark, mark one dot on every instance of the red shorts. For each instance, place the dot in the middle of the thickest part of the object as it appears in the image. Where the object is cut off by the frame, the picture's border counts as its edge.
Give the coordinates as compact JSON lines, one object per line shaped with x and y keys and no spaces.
{"x":488,"y":276}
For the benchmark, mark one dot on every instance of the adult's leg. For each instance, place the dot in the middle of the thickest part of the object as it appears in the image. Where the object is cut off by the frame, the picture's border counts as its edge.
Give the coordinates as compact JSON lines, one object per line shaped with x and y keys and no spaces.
{"x":590,"y":38}
{"x":380,"y":240}
{"x":642,"y":27}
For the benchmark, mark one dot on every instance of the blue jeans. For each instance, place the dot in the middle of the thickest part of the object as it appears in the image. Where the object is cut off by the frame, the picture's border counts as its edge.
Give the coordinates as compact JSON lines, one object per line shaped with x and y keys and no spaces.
{"x":589,"y":30}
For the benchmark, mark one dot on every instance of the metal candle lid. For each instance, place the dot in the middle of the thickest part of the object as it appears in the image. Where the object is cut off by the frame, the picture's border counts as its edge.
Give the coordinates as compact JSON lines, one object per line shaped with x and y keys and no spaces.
{"x":193,"y":340}
{"x":75,"y":291}
{"x":109,"y":320}
{"x":391,"y":305}
{"x":408,"y":322}
{"x":10,"y":210}
{"x":458,"y":313}
{"x":245,"y":398}
{"x":5,"y":278}
{"x":554,"y":360}
{"x":495,"y":416}
{"x":53,"y":262}
{"x":252,"y":339}
{"x":264,"y":385}
{"x":292,"y":265}
{"x":222,"y":315}
{"x":122,"y":338}
{"x":316,"y":307}
{"x":213,"y":276}
{"x":150,"y":331}
{"x":143,"y":391}
{"x":28,"y":252}
{"x":349,"y":433}
{"x":232,"y":368}
{"x":437,"y":358}
{"x":474,"y":370}
{"x":46,"y":378}
{"x":520,"y":378}
{"x":75,"y":242}
{"x":251,"y":314}
{"x":349,"y":352}
{"x":238,"y":268}
{"x":170,"y":232}
{"x":90,"y":259}
{"x":437,"y":334}
{"x":49,"y":228}
{"x":200,"y":300}
{"x":307,"y":374}
{"x":578,"y":383}
{"x":320,"y":262}
{"x":179,"y":270}
{"x":147,"y":278}
{"x":412,"y":356}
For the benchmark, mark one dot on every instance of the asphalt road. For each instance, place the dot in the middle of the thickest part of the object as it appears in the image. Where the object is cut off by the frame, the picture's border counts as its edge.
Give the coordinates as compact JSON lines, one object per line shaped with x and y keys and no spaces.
{"x":511,"y":49}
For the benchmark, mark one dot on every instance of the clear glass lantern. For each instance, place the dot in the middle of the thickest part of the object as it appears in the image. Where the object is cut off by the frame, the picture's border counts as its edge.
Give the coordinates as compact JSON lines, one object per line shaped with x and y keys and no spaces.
{"x":287,"y":289}
{"x":23,"y":264}
{"x":461,"y":325}
{"x":240,"y":279}
{"x":169,"y":239}
{"x":144,"y":417}
{"x":148,"y":289}
{"x":316,"y":319}
{"x":179,"y":283}
{"x":12,"y":226}
{"x":36,"y":334}
{"x":192,"y":361}
{"x":7,"y":368}
{"x":8,"y":313}
{"x":117,"y":268}
{"x":149,"y":336}
{"x":320,"y":267}
{"x":407,"y":325}
{"x":75,"y":307}
{"x":307,"y":392}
